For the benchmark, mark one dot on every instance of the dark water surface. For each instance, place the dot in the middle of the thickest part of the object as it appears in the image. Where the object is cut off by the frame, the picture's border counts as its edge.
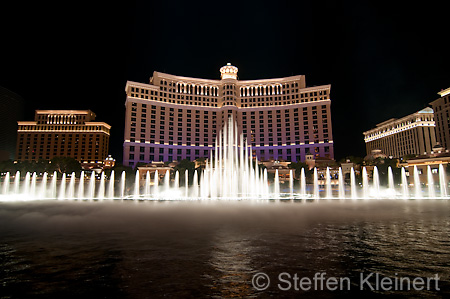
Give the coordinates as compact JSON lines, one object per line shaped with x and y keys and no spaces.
{"x":54,"y":249}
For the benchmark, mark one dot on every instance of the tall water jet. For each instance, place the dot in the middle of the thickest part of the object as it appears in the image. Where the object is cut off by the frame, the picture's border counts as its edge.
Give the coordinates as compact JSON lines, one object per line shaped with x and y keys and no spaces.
{"x":62,"y":187}
{"x":291,"y":184}
{"x":147,"y":184}
{"x":53,"y":185}
{"x":156,"y":184}
{"x":43,"y":189}
{"x":186,"y":183}
{"x":91,"y":191}
{"x":417,"y":189}
{"x":203,"y":185}
{"x":5,"y":189}
{"x":328,"y":183}
{"x":136,"y":185}
{"x":316,"y":184}
{"x":195,"y":185}
{"x":430,"y":180}
{"x":365,"y":181}
{"x":341,"y":184}
{"x":101,"y":189}
{"x":17,"y":183}
{"x":81,"y":186}
{"x":302,"y":182}
{"x":376,"y":181}
{"x":266,"y":184}
{"x":27,"y":184}
{"x":442,"y":181}
{"x":167,"y":182}
{"x":176,"y":185}
{"x":353,"y":184}
{"x":110,"y":190}
{"x":405,"y":190}
{"x":276,"y":183}
{"x":71,"y":191}
{"x":391,"y":186}
{"x":122,"y":184}
{"x":33,"y":185}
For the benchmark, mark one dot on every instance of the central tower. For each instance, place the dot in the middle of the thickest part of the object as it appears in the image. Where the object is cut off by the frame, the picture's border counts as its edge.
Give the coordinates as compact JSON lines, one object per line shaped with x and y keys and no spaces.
{"x":228,"y":72}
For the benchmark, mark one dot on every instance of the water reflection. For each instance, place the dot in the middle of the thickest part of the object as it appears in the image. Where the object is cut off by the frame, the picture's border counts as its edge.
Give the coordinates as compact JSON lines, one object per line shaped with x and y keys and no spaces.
{"x":231,"y":257}
{"x":153,"y":249}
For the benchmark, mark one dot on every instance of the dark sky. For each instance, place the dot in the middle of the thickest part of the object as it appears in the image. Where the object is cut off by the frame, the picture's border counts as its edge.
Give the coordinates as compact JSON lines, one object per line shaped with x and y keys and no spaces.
{"x":382,"y":59}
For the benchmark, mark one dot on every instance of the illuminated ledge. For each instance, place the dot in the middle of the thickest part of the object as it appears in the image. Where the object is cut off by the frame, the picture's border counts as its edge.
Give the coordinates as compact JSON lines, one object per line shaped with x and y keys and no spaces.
{"x":97,"y":123}
{"x":64,"y":112}
{"x":64,"y":131}
{"x":200,"y":107}
{"x":209,"y":145}
{"x":398,"y":130}
{"x":444,"y":92}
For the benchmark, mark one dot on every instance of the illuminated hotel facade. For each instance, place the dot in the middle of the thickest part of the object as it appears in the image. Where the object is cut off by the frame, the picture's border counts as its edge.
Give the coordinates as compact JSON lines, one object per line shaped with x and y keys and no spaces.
{"x":411,"y":135}
{"x":63,"y":133}
{"x":174,"y":117}
{"x":441,"y":108}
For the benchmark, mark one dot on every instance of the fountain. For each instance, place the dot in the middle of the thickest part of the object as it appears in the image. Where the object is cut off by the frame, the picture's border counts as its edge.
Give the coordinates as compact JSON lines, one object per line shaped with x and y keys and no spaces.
{"x":231,"y":172}
{"x":365,"y":180}
{"x":430,"y":180}
{"x":111,"y":186}
{"x":442,"y":181}
{"x":391,"y":187}
{"x":404,"y":184}
{"x":341,"y":184}
{"x":328,"y":183}
{"x":302,"y":183}
{"x":417,"y":189}
{"x":353,"y":183}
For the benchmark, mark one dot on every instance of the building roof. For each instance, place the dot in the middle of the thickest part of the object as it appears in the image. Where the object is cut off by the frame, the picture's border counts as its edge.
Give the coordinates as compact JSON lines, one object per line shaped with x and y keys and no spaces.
{"x":444,"y":92}
{"x":426,"y":110}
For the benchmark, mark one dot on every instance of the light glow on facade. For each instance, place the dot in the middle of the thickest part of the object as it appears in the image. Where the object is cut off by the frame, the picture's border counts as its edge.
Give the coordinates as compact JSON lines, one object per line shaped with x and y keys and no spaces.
{"x":175,"y":117}
{"x":412,"y":134}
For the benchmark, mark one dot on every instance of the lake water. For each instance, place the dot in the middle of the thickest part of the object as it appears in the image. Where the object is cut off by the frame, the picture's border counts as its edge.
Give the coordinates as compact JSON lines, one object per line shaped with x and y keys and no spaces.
{"x":63,"y":249}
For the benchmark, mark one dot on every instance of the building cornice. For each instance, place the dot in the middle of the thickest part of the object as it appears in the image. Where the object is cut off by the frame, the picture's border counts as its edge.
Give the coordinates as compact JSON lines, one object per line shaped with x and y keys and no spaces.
{"x":444,"y":92}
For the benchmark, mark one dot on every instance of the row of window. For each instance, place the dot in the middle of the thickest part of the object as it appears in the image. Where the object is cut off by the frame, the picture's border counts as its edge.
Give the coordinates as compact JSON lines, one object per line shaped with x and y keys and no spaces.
{"x":75,"y":128}
{"x":287,"y":154}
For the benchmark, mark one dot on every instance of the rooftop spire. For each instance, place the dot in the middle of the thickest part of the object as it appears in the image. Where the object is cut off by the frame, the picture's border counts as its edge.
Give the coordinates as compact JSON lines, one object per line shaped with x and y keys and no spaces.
{"x":228,"y":72}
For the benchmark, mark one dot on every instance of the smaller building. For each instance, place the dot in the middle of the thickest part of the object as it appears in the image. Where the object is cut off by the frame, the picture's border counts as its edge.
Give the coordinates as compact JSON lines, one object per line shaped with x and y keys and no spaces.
{"x":282,"y":167}
{"x":441,"y":108}
{"x":63,"y":133}
{"x":99,"y":166}
{"x":151,"y":168}
{"x":410,"y":135}
{"x":319,"y":162}
{"x":322,"y":176}
{"x":431,"y":162}
{"x":347,"y":167}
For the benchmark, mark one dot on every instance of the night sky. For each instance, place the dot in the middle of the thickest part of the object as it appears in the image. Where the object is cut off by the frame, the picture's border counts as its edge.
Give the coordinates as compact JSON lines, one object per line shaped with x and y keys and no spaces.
{"x":382,"y":59}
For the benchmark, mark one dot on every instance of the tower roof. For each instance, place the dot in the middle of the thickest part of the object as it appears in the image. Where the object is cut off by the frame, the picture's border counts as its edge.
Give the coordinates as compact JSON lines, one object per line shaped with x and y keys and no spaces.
{"x":228,"y":72}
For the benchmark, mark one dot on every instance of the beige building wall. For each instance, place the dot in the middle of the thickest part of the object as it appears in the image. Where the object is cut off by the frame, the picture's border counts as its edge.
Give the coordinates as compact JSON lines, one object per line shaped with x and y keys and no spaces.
{"x":411,"y":135}
{"x":175,"y":117}
{"x":63,"y":133}
{"x":441,"y":108}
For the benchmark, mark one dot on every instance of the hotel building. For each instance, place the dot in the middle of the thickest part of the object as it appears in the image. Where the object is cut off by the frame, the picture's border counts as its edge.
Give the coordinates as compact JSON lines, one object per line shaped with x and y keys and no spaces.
{"x":411,"y":135}
{"x":441,"y":108}
{"x":63,"y":133}
{"x":173,"y":118}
